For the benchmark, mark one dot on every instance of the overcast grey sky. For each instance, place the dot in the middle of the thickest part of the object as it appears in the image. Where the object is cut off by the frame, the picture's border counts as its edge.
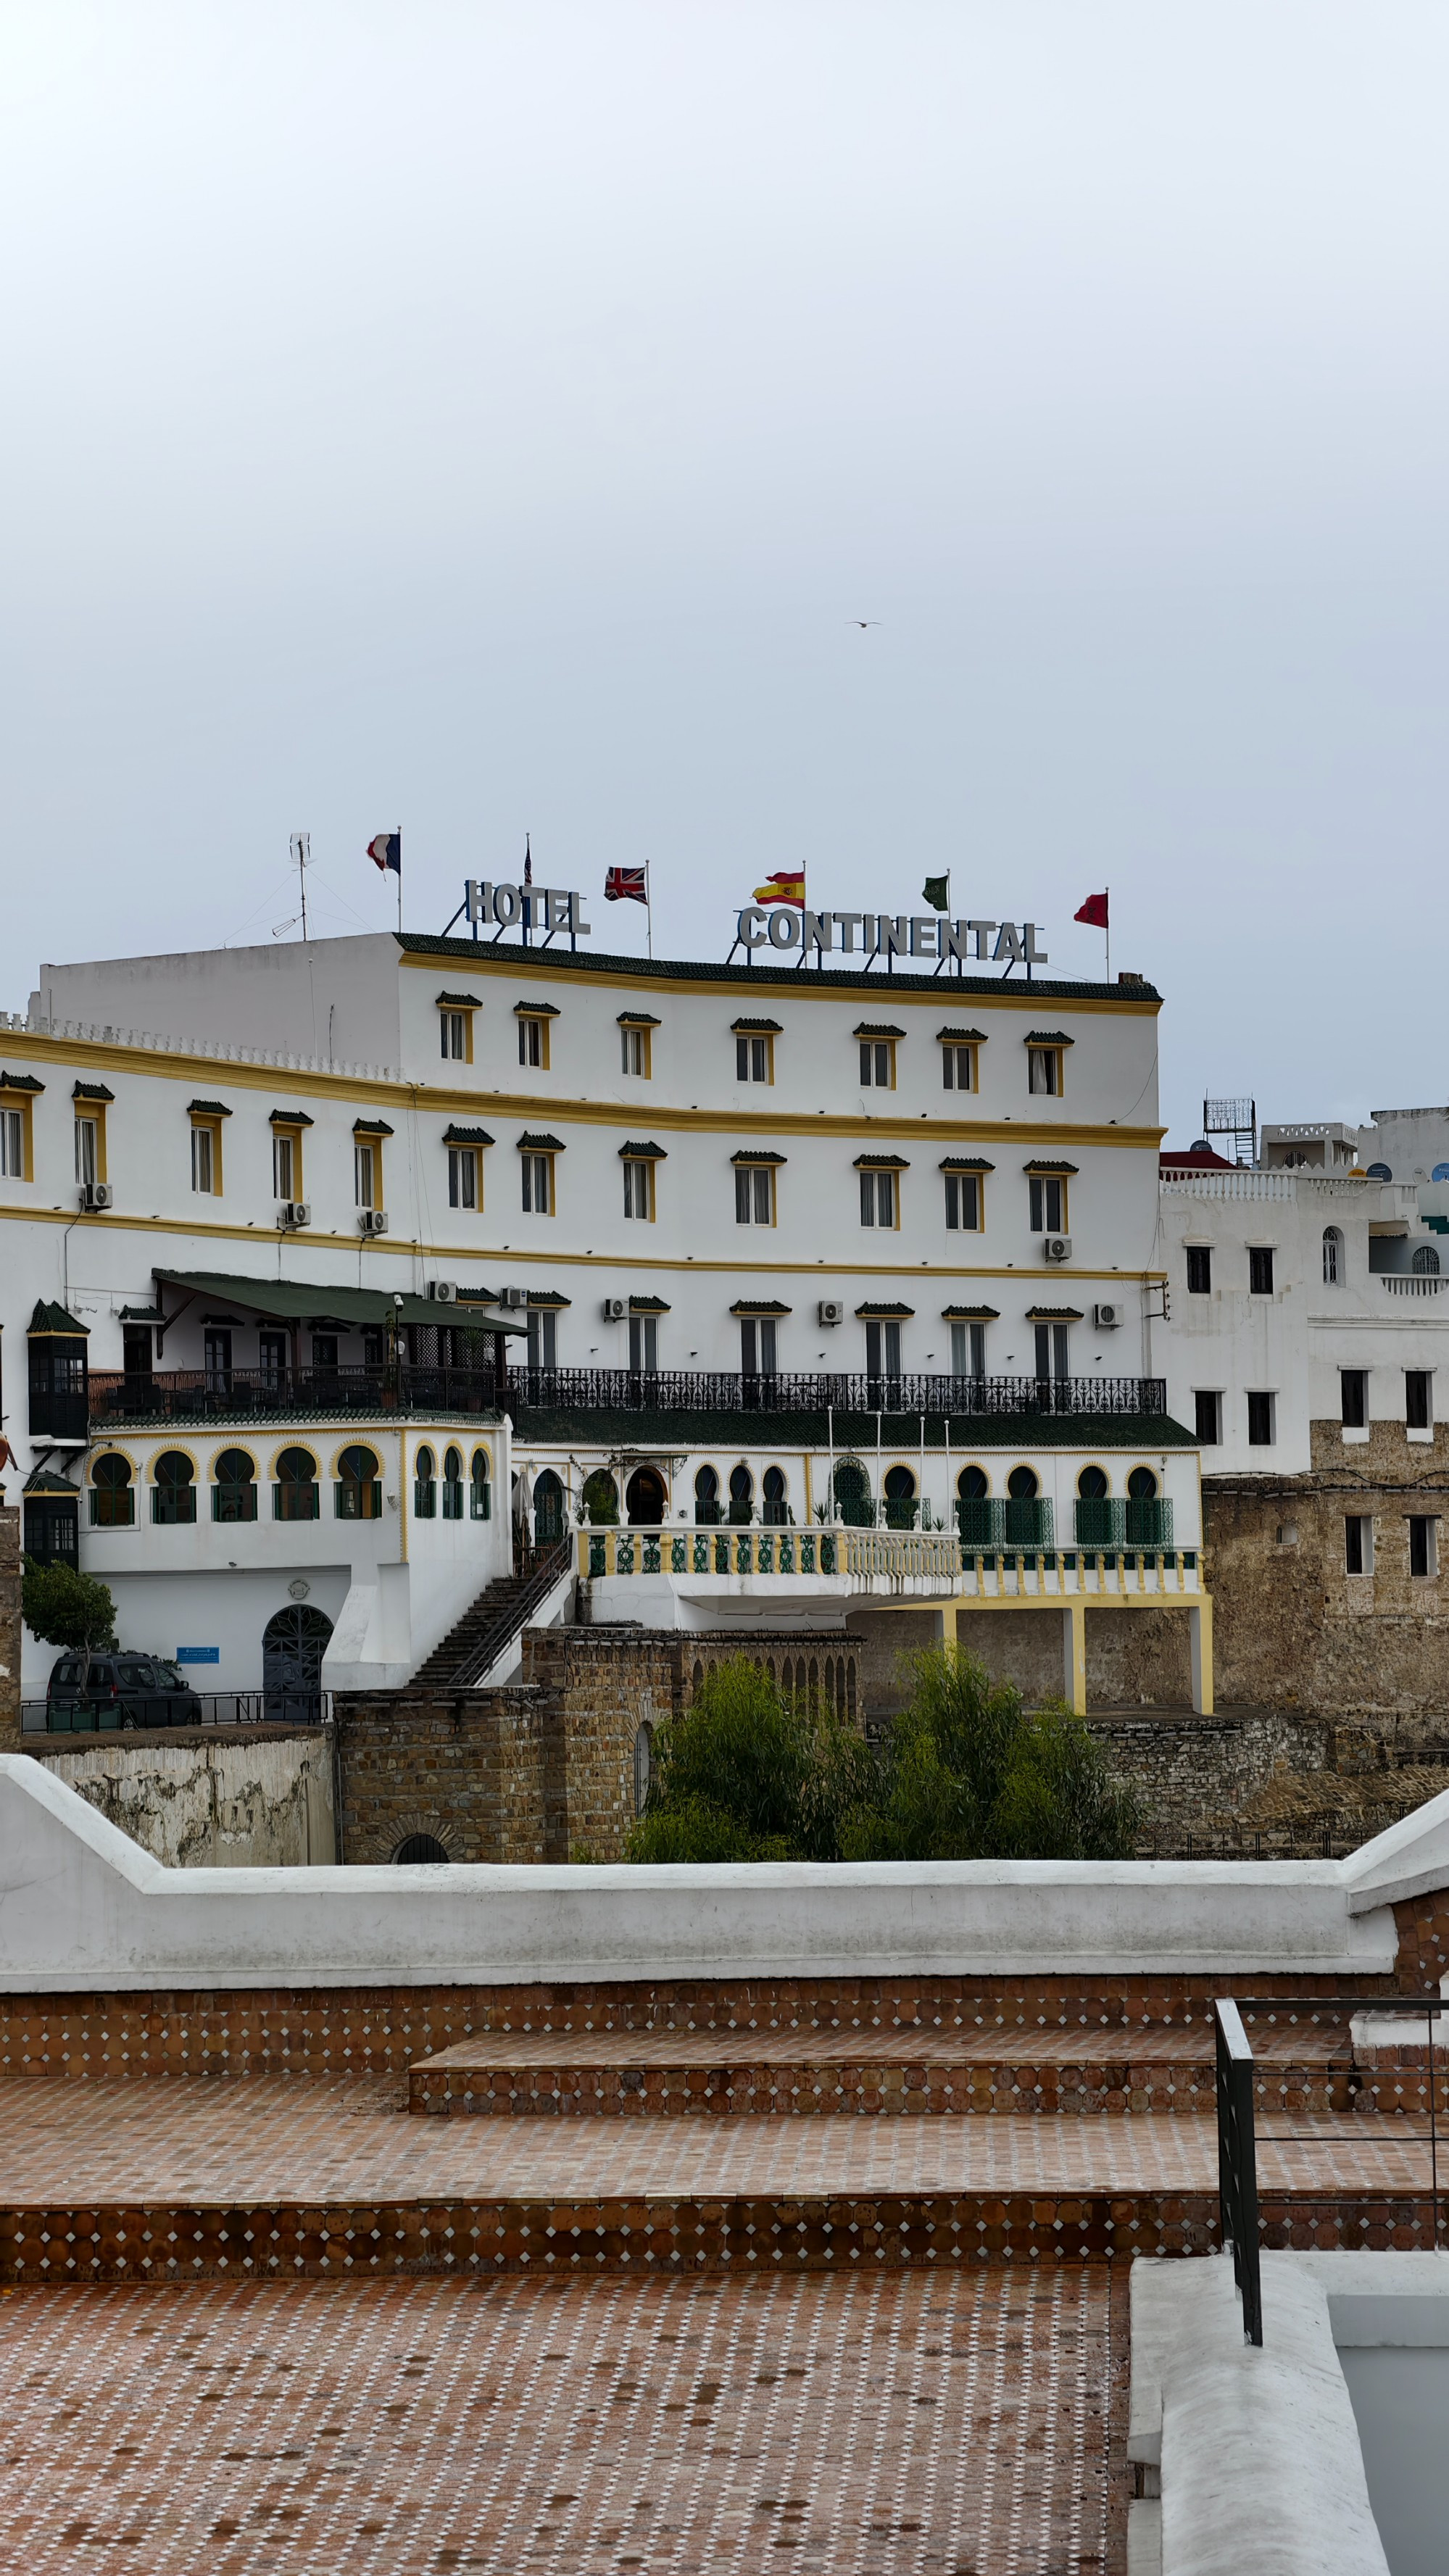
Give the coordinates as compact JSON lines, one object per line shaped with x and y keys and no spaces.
{"x":489,"y":417}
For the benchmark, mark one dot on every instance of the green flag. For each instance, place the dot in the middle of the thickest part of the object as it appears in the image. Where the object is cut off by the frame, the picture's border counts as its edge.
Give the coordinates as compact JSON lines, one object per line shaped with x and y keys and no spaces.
{"x":937,"y":892}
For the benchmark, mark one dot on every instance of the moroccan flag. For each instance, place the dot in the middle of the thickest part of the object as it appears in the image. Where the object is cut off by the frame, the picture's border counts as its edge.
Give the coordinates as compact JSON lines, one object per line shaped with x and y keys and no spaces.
{"x":386,"y":851}
{"x":626,"y":885}
{"x":937,"y":893}
{"x":1093,"y":912}
{"x":787,"y":885}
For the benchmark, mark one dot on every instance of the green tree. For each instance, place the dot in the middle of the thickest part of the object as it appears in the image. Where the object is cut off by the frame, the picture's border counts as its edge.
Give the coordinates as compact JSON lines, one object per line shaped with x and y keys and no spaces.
{"x":747,"y":1774}
{"x":968,"y":1773}
{"x":68,"y":1609}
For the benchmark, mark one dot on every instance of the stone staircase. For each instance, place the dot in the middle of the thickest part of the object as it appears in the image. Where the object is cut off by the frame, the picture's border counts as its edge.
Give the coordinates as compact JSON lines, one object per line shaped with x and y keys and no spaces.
{"x":491,"y":1623}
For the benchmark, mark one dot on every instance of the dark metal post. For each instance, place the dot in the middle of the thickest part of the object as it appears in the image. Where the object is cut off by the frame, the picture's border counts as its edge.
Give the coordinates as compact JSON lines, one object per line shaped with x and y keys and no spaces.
{"x":1238,"y":2163}
{"x":1430,"y":2018}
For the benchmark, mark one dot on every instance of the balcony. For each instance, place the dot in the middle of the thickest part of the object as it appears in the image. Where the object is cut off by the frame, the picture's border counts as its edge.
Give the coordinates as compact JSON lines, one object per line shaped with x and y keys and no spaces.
{"x":925,"y":1564}
{"x":226,"y":1395}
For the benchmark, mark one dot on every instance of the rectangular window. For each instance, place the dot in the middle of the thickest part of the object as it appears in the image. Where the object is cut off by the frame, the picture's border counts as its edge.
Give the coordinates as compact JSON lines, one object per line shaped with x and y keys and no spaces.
{"x":462,"y":1177}
{"x":283,"y":1159}
{"x":1423,"y":1545}
{"x":275,"y":1353}
{"x":364,"y":1175}
{"x":136,"y":1350}
{"x":216,"y":1355}
{"x":1418,"y":1399}
{"x":754,"y":1060}
{"x":878,"y":1198}
{"x":1260,"y":1269}
{"x":542,"y":1337}
{"x":634,"y":1050}
{"x":638,"y":1189}
{"x":12,"y":1145}
{"x":324,"y":1353}
{"x":877,"y":1064}
{"x":1199,"y":1270}
{"x":1358,"y":1544}
{"x":1260,"y":1421}
{"x":882,"y":1348}
{"x":1353,"y":1398}
{"x":87,"y":1157}
{"x":754,"y":1194}
{"x":453,"y":1033}
{"x":644,"y":1342}
{"x":1044,"y":1071}
{"x":1208,"y":1408}
{"x":757,"y":1345}
{"x":203,"y":1160}
{"x":968,"y":1350}
{"x":537,"y":1184}
{"x":1048,"y":1203}
{"x":958,"y":1068}
{"x":963,"y":1203}
{"x":1051,"y":1352}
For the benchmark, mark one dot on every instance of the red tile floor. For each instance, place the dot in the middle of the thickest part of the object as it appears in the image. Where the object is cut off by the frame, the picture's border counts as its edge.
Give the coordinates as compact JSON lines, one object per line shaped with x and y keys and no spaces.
{"x":905,"y":2425}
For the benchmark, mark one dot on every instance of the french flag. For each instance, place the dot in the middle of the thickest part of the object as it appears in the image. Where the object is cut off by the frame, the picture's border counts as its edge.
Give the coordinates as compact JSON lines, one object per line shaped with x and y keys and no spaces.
{"x":386,"y":851}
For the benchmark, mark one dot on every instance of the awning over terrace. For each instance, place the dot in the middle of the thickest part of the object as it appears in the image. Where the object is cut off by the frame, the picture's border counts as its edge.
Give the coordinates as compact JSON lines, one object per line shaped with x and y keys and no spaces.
{"x":297,"y":1300}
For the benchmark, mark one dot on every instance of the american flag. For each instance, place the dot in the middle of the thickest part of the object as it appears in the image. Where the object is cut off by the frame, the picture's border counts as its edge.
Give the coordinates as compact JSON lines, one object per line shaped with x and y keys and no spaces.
{"x":626,"y":885}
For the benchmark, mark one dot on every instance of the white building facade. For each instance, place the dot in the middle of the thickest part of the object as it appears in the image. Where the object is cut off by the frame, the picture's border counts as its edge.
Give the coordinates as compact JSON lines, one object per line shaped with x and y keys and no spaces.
{"x":770,"y":1248}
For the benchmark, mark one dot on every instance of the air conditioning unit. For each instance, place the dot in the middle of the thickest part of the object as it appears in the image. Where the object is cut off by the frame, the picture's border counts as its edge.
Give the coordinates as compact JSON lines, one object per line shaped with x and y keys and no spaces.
{"x":615,"y":1309}
{"x":443,"y":1292}
{"x":1056,"y":1247}
{"x":96,"y":1194}
{"x":831,"y":1310}
{"x":1106,"y":1318}
{"x":512,"y":1297}
{"x":296,"y":1212}
{"x":373,"y":1220}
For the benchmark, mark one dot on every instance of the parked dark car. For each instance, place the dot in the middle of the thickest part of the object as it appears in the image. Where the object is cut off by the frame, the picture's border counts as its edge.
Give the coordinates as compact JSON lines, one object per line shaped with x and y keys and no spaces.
{"x":120,"y":1690}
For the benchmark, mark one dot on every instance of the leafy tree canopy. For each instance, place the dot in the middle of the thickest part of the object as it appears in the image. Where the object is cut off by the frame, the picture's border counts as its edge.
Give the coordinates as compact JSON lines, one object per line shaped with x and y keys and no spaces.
{"x":967,"y":1773}
{"x":65,"y":1608}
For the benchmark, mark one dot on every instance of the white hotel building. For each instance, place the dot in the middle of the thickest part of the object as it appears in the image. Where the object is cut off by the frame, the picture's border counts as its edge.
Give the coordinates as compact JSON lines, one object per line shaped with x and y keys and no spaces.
{"x":826,"y":1285}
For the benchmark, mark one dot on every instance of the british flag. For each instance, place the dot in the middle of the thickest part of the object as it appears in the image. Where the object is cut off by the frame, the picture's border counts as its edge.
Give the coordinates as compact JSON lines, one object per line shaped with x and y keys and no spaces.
{"x":626,"y":885}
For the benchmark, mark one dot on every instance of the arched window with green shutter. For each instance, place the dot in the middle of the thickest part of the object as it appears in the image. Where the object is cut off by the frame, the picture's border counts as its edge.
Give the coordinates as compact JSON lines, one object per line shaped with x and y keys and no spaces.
{"x":358,"y":1495}
{"x":234,"y":1487}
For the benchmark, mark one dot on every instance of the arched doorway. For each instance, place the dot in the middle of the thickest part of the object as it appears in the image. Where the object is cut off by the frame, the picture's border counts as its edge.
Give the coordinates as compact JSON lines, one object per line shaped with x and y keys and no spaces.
{"x":601,"y":1499}
{"x":900,"y":1498}
{"x":294,"y":1642}
{"x":548,"y":1508}
{"x":645,"y":1497}
{"x":852,"y":1494}
{"x":418,"y":1847}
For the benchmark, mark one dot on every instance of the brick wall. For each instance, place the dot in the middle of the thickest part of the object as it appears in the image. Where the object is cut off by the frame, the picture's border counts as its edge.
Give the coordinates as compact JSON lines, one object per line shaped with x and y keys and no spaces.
{"x":9,"y":1630}
{"x":467,"y":1768}
{"x":1292,"y":1628}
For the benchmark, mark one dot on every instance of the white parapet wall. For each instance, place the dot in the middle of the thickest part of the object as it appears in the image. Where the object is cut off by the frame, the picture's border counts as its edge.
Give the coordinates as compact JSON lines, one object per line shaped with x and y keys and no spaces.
{"x":82,"y":1907}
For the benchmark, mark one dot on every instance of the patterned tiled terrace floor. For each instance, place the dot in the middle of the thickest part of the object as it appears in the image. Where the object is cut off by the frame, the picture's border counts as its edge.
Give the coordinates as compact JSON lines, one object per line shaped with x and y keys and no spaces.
{"x":189,"y":2138}
{"x":905,"y":2425}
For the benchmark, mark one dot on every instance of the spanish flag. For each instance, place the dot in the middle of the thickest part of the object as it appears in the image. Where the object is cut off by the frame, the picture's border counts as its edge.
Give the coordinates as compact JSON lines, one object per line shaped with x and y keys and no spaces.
{"x":787,"y":885}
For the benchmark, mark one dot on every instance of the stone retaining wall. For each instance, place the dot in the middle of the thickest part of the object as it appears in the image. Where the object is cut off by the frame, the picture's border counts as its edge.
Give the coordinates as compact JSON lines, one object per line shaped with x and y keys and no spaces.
{"x":197,"y":1798}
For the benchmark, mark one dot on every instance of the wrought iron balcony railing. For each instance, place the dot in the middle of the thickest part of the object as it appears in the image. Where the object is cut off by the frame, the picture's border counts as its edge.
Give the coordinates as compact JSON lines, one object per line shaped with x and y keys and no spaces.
{"x":225,"y":1394}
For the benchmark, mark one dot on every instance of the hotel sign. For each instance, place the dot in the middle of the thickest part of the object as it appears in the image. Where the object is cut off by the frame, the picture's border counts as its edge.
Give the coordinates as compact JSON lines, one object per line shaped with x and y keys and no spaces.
{"x":528,"y":907}
{"x":890,"y":934}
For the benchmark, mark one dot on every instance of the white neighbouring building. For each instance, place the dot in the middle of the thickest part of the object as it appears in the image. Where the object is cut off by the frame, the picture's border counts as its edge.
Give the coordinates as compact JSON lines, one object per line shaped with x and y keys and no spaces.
{"x":829,"y":1285}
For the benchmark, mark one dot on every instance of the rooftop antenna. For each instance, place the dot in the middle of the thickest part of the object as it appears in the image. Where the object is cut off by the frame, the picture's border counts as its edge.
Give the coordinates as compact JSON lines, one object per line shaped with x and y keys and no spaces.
{"x":302,"y":853}
{"x":1237,"y":1120}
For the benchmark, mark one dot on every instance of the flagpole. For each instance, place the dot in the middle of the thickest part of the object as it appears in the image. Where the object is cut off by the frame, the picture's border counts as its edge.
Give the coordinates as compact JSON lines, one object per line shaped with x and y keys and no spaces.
{"x":649,"y":908}
{"x":1107,"y":927}
{"x":399,"y":876}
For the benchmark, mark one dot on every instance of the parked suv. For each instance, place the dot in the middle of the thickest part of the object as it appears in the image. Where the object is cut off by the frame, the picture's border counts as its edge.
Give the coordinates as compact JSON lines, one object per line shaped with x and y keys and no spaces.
{"x":120,"y":1690}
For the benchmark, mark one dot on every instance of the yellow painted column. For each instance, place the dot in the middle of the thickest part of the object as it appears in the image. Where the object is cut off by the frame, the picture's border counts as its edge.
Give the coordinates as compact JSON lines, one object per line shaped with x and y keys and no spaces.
{"x":1074,"y":1654}
{"x":948,"y":1622}
{"x":1200,"y":1636}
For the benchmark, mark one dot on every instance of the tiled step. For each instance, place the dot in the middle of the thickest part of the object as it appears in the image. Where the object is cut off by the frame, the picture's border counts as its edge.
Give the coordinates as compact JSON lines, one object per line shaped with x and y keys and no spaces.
{"x":911,"y":2073}
{"x":191,"y":2178}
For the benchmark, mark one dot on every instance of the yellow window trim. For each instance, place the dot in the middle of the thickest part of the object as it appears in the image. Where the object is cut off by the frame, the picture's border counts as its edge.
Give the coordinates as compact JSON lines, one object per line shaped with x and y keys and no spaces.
{"x":458,"y":1011}
{"x":213,"y":1128}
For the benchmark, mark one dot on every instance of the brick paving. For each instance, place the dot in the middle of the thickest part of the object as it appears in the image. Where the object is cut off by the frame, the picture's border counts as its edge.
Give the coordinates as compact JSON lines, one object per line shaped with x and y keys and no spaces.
{"x":304,"y":2139}
{"x":905,"y":2425}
